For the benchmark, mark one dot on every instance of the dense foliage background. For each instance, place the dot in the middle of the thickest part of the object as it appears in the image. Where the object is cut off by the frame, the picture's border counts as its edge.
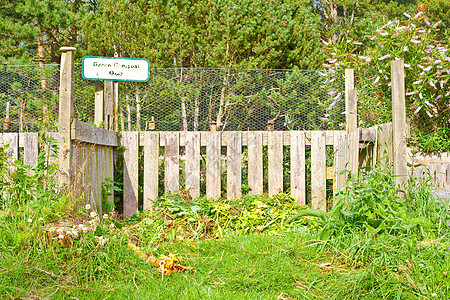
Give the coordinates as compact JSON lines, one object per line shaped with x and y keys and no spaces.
{"x":243,"y":34}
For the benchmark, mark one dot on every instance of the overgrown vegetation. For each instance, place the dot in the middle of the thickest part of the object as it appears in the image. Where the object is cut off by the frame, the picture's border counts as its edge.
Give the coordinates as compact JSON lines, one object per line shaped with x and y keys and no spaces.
{"x":373,"y":244}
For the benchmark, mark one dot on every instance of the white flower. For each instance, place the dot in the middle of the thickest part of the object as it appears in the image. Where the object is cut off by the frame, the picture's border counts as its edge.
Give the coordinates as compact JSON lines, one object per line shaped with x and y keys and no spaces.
{"x":418,"y":14}
{"x":427,"y":103}
{"x":400,"y":28}
{"x":415,"y":41}
{"x":437,"y":23}
{"x":434,"y":295}
{"x":407,"y":66}
{"x":406,"y":15}
{"x":411,"y":93}
{"x":417,"y":110}
{"x":421,"y":265}
{"x":383,"y":33}
{"x":421,"y":31}
{"x":60,"y":236}
{"x":376,"y":80}
{"x":93,"y":214}
{"x":88,"y":206}
{"x":437,"y":61}
{"x":325,"y":43}
{"x":30,"y":220}
{"x":105,"y":216}
{"x":427,"y":69}
{"x":40,"y":219}
{"x":427,"y":22}
{"x":420,"y":96}
{"x":111,"y":226}
{"x":405,"y":49}
{"x":417,"y":82}
{"x":384,"y":57}
{"x":374,"y":37}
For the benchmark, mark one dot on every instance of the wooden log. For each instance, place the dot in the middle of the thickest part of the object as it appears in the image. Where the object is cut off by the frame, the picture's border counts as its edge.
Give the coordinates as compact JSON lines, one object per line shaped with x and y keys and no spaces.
{"x":234,"y":165}
{"x":298,"y":167}
{"x":130,"y":172}
{"x":255,"y":162}
{"x":193,"y":163}
{"x":399,"y":133}
{"x":171,"y":162}
{"x":275,"y":163}
{"x":213,"y":168}
{"x":151,"y":168}
{"x":318,"y":171}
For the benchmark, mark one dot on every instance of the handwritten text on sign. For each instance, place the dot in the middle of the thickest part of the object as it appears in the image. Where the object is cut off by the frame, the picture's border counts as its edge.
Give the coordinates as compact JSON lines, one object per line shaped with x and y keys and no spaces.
{"x":115,"y":68}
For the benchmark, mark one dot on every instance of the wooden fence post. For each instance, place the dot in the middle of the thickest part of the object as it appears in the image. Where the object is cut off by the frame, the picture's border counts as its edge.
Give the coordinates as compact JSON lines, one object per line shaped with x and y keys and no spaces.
{"x":99,"y":119}
{"x":65,"y":116}
{"x":399,"y":126}
{"x":349,"y":86}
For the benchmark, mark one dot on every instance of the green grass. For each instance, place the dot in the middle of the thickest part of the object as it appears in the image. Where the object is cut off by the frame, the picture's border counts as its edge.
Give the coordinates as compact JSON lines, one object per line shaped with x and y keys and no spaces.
{"x":372,"y":245}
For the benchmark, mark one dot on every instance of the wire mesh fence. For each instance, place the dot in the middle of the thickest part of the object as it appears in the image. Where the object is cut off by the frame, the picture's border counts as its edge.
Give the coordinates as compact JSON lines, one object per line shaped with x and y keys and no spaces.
{"x":182,"y":99}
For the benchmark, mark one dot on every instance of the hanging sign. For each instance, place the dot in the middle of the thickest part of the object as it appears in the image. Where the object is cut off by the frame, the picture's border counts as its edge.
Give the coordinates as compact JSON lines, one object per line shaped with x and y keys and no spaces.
{"x":115,"y":69}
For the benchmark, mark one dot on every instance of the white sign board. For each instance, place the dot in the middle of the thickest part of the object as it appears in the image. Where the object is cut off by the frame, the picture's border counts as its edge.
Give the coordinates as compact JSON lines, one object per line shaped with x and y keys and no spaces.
{"x":115,"y":68}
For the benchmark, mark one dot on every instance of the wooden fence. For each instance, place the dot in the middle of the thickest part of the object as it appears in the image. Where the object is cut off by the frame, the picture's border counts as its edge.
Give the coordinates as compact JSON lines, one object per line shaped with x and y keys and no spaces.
{"x":86,"y":153}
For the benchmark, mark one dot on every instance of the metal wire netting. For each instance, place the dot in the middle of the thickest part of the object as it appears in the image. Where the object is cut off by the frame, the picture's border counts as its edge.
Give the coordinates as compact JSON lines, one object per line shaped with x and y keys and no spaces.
{"x":179,"y":99}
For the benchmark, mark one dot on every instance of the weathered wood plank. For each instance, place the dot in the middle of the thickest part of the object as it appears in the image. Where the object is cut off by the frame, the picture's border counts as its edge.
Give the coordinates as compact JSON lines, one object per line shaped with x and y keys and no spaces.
{"x":318,"y":171}
{"x":90,"y":134}
{"x":99,"y":104}
{"x":171,"y":162}
{"x":255,"y":162}
{"x":234,"y":165}
{"x":399,"y":132}
{"x":448,"y":176}
{"x":349,"y":85}
{"x":265,"y":138}
{"x":340,"y":161}
{"x":108,"y":113}
{"x":352,"y":111}
{"x":193,"y":163}
{"x":441,"y":175}
{"x":29,"y":142}
{"x":11,"y":140}
{"x":353,"y":140}
{"x":65,"y":116}
{"x":110,"y":154}
{"x":130,"y":172}
{"x":275,"y":164}
{"x":151,"y":168}
{"x":213,"y":168}
{"x":298,"y":167}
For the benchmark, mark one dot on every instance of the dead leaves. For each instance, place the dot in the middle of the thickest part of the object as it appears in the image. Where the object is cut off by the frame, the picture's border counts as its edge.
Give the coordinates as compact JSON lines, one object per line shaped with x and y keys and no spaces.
{"x":166,"y":265}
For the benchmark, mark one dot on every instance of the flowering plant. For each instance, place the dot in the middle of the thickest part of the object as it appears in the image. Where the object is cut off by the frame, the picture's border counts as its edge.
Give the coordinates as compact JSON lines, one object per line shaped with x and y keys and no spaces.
{"x":427,"y":70}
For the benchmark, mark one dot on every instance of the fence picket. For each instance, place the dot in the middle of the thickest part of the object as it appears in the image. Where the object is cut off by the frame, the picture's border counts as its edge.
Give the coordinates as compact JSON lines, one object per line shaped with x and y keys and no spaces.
{"x":171,"y":162}
{"x":213,"y":168}
{"x":234,"y":164}
{"x":354,"y":152}
{"x":29,"y":142}
{"x":275,"y":153}
{"x":255,"y":162}
{"x":151,"y":168}
{"x":298,"y":186}
{"x":318,"y":170}
{"x":193,"y":163}
{"x":339,"y":161}
{"x":441,"y":174}
{"x":130,"y":172}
